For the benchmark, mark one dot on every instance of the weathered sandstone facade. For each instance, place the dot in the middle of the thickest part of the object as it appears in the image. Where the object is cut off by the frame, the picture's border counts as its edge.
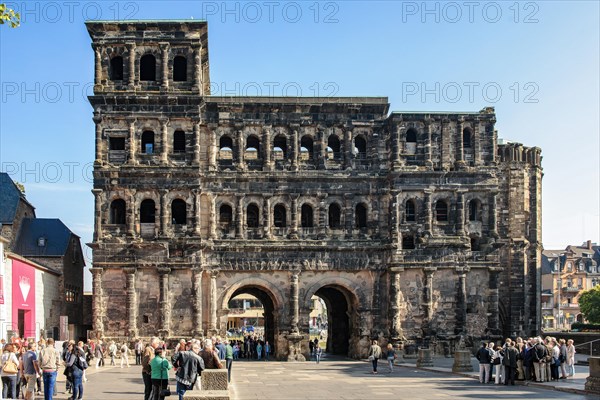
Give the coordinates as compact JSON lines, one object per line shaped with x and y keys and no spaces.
{"x":411,"y":226}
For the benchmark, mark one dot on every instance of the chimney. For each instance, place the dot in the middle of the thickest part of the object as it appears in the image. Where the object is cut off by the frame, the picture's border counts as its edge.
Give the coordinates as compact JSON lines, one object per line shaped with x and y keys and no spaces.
{"x":589,"y":244}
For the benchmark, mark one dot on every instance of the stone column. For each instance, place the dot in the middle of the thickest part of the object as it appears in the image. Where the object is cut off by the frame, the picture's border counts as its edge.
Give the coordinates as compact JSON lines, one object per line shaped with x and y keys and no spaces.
{"x":492,"y":216}
{"x":131,"y":302}
{"x":395,"y":299}
{"x":97,"y":214}
{"x":322,"y":218}
{"x":476,"y":143}
{"x":294,"y":301}
{"x":460,"y":214}
{"x":197,"y":217}
{"x":213,"y":300}
{"x":97,"y":67}
{"x":347,"y":149}
{"x":164,"y":212}
{"x":321,"y":147}
{"x":267,"y":217}
{"x":395,"y":219}
{"x":428,"y":292}
{"x":197,"y":293}
{"x":592,"y":382}
{"x":165,"y":306}
{"x":461,"y":301}
{"x":428,"y":213}
{"x":164,"y":47}
{"x":493,"y":317}
{"x":213,"y":217}
{"x":239,"y":225}
{"x":164,"y":140}
{"x":131,"y":216}
{"x":196,"y":122}
{"x":268,"y":163}
{"x":99,"y":143}
{"x":240,"y":152}
{"x":294,"y":215}
{"x":348,"y":211}
{"x":460,"y":156}
{"x":212,"y":150}
{"x":428,"y":134}
{"x":97,"y":306}
{"x":132,"y":142}
{"x":395,"y":139}
{"x":295,"y":150}
{"x":197,"y":68}
{"x":132,"y":73}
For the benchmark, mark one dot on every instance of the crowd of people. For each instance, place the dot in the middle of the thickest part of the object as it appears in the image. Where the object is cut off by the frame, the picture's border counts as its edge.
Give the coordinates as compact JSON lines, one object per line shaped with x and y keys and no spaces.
{"x":534,"y":359}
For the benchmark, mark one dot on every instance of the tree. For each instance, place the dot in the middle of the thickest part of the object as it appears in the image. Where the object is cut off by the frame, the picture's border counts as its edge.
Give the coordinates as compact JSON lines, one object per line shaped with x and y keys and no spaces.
{"x":9,"y":16}
{"x":589,"y":304}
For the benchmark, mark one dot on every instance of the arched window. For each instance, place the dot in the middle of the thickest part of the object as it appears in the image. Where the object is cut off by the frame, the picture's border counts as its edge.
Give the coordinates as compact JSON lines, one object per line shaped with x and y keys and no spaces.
{"x":306,"y":148}
{"x":179,"y":212}
{"x":334,"y":216}
{"x":360,"y":147}
{"x":147,"y":212}
{"x":410,"y":211}
{"x":307,"y":216}
{"x":225,"y":217}
{"x":441,"y":211}
{"x":360,"y":216}
{"x":180,"y":69}
{"x":411,"y":141}
{"x":148,"y":68}
{"x":333,"y":147}
{"x":467,"y":138}
{"x":179,"y":142}
{"x":475,"y":244}
{"x":148,"y":142}
{"x":279,"y":216}
{"x":279,"y":147}
{"x":116,"y":68}
{"x":252,"y":215}
{"x":225,"y":148}
{"x":408,"y":242}
{"x":474,"y":210}
{"x":252,"y":148}
{"x":118,"y":210}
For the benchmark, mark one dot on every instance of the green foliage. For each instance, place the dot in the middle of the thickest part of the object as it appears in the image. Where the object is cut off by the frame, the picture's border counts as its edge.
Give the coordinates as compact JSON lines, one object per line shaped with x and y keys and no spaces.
{"x":578,"y":326}
{"x":8,"y":16}
{"x":589,"y":304}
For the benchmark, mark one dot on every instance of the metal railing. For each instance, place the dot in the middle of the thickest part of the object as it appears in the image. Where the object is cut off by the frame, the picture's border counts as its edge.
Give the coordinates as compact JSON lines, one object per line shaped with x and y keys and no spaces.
{"x":590,"y":343}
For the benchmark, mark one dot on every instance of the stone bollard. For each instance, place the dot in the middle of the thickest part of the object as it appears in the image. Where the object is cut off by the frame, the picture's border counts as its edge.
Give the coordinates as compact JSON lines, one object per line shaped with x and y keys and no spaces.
{"x":592,"y":383}
{"x":424,"y":359}
{"x":462,"y":361}
{"x":206,"y":395}
{"x":214,"y":379}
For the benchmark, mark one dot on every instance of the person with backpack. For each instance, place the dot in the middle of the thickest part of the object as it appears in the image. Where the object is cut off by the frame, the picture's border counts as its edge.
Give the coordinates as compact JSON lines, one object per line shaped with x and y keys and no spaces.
{"x":79,"y":365}
{"x":49,"y":362}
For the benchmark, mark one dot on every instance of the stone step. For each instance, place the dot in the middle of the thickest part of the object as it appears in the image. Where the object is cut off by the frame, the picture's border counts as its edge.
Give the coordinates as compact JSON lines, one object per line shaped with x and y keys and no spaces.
{"x":206,"y":395}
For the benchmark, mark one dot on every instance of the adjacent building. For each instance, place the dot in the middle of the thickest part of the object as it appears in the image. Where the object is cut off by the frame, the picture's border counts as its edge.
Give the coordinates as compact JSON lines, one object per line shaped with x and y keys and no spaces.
{"x":413,"y":227}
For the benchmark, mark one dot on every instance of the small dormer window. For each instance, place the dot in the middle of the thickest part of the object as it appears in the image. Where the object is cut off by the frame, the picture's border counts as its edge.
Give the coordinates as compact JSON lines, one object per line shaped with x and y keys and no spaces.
{"x":41,"y":242}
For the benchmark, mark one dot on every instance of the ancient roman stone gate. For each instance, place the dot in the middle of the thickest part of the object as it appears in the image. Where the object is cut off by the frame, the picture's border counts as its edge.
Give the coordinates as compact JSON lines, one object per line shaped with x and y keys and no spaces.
{"x":414,"y":228}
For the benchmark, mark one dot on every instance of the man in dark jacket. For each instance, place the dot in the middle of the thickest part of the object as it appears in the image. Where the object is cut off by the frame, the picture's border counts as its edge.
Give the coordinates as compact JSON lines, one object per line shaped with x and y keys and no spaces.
{"x":484,"y":356}
{"x":539,"y":359}
{"x":510,"y":363}
{"x":189,"y":367}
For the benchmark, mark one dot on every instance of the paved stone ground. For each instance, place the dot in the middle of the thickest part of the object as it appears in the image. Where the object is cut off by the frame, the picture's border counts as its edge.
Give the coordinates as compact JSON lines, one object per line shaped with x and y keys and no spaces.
{"x":332,"y":379}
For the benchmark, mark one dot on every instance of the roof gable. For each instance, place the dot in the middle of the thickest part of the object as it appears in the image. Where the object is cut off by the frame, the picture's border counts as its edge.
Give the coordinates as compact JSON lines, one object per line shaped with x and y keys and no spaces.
{"x":10,"y":195}
{"x":55,"y":233}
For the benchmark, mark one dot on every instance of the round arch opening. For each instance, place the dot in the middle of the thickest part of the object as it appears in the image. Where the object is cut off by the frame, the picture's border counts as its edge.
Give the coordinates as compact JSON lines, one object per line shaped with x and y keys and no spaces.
{"x":336,"y":320}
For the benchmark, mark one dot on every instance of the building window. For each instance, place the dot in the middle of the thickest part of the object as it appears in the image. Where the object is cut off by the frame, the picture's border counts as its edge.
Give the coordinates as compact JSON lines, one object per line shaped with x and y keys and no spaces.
{"x":360,"y":147}
{"x":334,"y":216}
{"x":225,"y":217}
{"x":333,"y":147}
{"x":360,"y":216}
{"x":179,"y":212}
{"x":70,"y":296}
{"x":252,"y":216}
{"x":180,"y":69}
{"x":116,"y":68}
{"x":279,"y":216}
{"x":474,"y":210}
{"x":411,"y":141}
{"x":306,"y":148}
{"x":117,"y":212}
{"x":307,"y":216}
{"x":148,"y":68}
{"x":252,"y":148}
{"x":148,"y":142}
{"x":441,"y":211}
{"x":467,"y":138}
{"x":179,"y":142}
{"x":225,"y":148}
{"x":147,"y":212}
{"x":279,"y":147}
{"x":116,"y":143}
{"x":410,"y":211}
{"x":408,"y":242}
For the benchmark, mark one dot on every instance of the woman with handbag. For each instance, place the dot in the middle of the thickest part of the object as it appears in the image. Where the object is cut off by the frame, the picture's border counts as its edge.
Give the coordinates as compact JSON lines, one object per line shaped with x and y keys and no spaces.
{"x":9,"y":368}
{"x":159,"y":367}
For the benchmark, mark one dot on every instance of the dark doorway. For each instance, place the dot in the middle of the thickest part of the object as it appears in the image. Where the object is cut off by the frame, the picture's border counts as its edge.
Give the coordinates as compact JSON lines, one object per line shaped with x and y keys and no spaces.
{"x":338,"y":320}
{"x":21,"y":323}
{"x":268,"y":312}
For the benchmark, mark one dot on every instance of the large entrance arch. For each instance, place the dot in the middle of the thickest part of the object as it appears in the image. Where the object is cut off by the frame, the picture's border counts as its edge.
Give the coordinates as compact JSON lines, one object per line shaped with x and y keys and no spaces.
{"x":338,"y":319}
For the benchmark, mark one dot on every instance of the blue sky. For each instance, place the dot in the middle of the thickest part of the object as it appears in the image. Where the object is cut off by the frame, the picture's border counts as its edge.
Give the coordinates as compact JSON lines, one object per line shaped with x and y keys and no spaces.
{"x":536,"y":62}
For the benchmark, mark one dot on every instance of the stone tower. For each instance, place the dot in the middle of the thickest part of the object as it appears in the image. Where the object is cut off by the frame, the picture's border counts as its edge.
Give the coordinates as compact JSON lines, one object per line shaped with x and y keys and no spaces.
{"x":412,"y":227}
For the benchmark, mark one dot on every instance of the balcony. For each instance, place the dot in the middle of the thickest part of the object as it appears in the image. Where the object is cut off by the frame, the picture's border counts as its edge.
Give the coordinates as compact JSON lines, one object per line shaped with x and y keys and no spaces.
{"x":308,"y":233}
{"x":572,"y":289}
{"x":547,"y":306}
{"x":569,"y":305}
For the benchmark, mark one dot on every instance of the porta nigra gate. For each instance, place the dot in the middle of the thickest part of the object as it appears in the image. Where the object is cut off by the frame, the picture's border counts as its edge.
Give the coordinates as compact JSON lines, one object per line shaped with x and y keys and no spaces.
{"x":413,"y":228}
